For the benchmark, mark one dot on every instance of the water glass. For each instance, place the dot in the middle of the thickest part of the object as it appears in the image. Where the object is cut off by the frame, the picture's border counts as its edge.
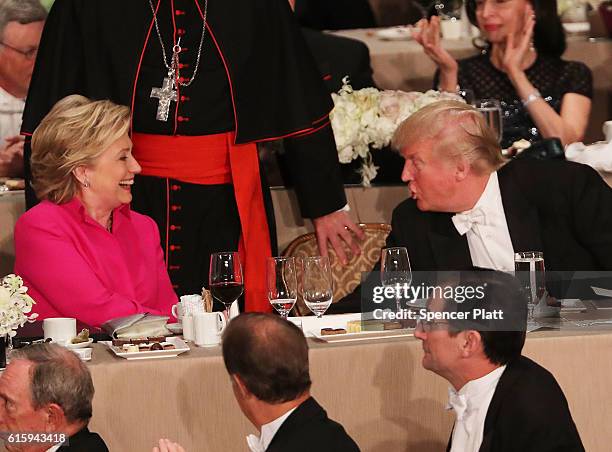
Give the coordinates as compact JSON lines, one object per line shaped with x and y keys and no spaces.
{"x":281,"y":279}
{"x":492,"y":112}
{"x":317,"y":284}
{"x":529,"y":266}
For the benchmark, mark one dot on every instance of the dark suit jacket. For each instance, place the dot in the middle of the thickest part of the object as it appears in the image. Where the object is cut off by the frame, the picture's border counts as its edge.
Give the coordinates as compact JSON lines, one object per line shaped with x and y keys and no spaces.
{"x":85,"y":441}
{"x":334,"y":14}
{"x":337,"y":56}
{"x":529,"y":412}
{"x":561,"y":208}
{"x":308,"y":429}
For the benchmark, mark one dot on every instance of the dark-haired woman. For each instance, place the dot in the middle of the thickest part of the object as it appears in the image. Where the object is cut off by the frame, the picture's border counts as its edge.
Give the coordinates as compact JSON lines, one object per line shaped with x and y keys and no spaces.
{"x":542,"y":95}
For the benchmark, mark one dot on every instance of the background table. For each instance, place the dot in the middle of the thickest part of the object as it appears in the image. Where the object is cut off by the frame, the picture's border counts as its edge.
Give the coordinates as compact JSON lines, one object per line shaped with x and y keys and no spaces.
{"x":377,"y":390}
{"x":403,"y":65}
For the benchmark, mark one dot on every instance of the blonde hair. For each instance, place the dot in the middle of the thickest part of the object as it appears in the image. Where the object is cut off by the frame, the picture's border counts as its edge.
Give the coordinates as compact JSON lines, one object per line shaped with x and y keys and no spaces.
{"x":458,"y":129}
{"x":75,"y":132}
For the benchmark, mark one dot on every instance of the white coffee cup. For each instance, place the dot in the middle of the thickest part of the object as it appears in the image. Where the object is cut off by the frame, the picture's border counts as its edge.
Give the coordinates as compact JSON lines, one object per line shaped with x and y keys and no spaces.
{"x":607,"y":130}
{"x":60,"y":329}
{"x":208,"y":327}
{"x":178,"y":311}
{"x":188,"y":328}
{"x":451,"y":28}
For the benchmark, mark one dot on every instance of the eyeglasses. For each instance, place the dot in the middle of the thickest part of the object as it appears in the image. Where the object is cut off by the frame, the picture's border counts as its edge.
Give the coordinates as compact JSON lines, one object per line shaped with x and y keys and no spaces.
{"x":28,"y":54}
{"x":429,"y":325}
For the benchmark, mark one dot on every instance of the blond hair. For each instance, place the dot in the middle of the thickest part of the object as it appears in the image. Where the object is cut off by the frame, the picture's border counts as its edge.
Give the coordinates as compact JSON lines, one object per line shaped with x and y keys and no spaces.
{"x":74,"y":133}
{"x":458,"y":129}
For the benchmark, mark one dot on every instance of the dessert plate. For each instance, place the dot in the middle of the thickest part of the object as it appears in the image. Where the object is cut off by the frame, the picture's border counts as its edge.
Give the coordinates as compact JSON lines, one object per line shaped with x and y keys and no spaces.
{"x":179,"y":344}
{"x":361,"y":336}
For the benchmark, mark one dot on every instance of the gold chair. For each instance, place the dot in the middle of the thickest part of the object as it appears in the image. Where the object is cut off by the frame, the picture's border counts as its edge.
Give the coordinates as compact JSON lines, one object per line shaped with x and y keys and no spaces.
{"x":346,"y":278}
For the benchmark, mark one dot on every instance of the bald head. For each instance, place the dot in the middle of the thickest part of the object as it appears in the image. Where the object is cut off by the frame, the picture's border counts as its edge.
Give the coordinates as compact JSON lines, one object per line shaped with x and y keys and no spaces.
{"x":269,"y":354}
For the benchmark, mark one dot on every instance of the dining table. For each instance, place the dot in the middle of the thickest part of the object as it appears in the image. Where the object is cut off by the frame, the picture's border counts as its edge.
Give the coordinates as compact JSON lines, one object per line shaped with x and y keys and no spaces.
{"x":376,"y":388}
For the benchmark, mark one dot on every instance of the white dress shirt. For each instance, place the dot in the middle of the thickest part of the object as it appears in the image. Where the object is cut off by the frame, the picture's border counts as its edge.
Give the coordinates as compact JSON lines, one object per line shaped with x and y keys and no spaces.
{"x":486,"y":229}
{"x":473,"y":402}
{"x":261,"y":443}
{"x":11,"y":110}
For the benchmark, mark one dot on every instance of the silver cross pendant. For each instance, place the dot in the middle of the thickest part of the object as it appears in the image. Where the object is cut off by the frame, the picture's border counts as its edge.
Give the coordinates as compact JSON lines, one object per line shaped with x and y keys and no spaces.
{"x":165,"y":94}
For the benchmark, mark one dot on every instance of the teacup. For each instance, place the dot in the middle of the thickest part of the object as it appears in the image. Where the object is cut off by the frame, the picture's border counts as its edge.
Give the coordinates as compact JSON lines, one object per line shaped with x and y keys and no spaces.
{"x":208,"y":327}
{"x":178,"y":311}
{"x":59,"y":329}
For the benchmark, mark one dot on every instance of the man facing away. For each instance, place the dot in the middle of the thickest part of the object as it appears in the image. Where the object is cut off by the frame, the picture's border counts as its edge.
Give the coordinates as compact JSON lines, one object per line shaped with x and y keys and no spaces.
{"x":46,"y":389}
{"x":21,"y":25}
{"x":503,"y":401}
{"x":267,"y":359}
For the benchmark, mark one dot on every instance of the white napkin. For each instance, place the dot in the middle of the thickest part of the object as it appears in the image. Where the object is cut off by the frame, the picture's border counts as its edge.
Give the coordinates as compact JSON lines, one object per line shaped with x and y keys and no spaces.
{"x":598,"y":155}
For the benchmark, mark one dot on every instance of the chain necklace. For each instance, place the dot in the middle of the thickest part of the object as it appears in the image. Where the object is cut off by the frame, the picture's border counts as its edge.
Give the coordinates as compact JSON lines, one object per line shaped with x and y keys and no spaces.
{"x":168,"y":91}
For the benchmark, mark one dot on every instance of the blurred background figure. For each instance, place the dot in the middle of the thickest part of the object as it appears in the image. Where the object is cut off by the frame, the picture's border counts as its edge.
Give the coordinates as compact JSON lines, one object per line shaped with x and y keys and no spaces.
{"x":542,"y":96}
{"x":46,"y":388}
{"x":21,"y":25}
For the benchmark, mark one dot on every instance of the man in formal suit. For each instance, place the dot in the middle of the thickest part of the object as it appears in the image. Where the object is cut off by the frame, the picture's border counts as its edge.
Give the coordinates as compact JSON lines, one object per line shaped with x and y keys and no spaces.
{"x":267,"y":359}
{"x":47,"y":389}
{"x":503,"y":401}
{"x":469,"y":208}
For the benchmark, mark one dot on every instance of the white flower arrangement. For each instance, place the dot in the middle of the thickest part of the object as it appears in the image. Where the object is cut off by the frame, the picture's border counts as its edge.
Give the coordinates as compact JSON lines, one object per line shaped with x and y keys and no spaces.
{"x":368,"y":117}
{"x":15,"y":303}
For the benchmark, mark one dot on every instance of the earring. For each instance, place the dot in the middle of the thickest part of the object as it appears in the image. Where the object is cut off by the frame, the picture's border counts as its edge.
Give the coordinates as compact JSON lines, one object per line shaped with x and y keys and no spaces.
{"x":86,"y":183}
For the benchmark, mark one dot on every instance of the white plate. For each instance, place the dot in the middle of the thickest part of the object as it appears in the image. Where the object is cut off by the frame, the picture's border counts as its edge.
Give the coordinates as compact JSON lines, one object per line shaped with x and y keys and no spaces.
{"x":362,"y":336}
{"x":179,"y":344}
{"x":80,"y":344}
{"x":83,"y":353}
{"x":400,"y":33}
{"x":175,"y":328}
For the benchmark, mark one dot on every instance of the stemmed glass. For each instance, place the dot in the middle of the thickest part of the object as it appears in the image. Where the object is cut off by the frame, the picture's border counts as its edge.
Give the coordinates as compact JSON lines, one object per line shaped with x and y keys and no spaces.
{"x":529,"y":266}
{"x":317,"y":284}
{"x":282,"y":284}
{"x":225,"y":278}
{"x":492,"y":112}
{"x":395,"y":270}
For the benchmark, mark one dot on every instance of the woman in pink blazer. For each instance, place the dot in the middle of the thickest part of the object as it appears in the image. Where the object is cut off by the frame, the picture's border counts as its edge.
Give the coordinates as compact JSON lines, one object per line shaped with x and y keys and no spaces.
{"x":82,"y":252}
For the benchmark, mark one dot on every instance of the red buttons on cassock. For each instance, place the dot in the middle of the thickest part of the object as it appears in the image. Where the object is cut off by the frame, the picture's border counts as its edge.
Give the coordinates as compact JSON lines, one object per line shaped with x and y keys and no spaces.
{"x":175,"y":247}
{"x":179,"y":12}
{"x":175,"y":286}
{"x":185,"y":98}
{"x":175,"y":207}
{"x":174,"y":267}
{"x":182,"y":119}
{"x":175,"y":187}
{"x":183,"y":65}
{"x":175,"y":227}
{"x":180,"y":31}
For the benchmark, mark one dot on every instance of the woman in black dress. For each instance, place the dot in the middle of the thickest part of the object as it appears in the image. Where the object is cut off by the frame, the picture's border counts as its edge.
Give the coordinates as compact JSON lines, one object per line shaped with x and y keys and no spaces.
{"x":542,"y":96}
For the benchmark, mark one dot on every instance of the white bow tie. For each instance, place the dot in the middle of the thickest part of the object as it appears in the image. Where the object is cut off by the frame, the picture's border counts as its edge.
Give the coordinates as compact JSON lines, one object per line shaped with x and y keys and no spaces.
{"x":457,"y":402}
{"x":464,"y":221}
{"x":254,"y":443}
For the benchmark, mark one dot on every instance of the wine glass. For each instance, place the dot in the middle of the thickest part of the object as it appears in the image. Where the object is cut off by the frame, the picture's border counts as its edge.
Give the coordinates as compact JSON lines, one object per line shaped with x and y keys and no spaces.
{"x":529,"y":266}
{"x":225,"y":278}
{"x":317,"y":284}
{"x":395,"y":271}
{"x":492,"y":112}
{"x":282,"y":284}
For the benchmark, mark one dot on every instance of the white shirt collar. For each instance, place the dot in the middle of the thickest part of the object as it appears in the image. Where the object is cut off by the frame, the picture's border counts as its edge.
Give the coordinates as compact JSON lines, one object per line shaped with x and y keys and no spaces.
{"x":10,"y":102}
{"x":489,"y":198}
{"x":54,"y":448}
{"x":261,"y":443}
{"x":474,"y":388}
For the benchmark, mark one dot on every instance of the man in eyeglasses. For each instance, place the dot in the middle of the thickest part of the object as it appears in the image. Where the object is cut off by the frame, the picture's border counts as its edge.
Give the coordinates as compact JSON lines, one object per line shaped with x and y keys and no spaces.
{"x":503,"y":401}
{"x":21,"y":25}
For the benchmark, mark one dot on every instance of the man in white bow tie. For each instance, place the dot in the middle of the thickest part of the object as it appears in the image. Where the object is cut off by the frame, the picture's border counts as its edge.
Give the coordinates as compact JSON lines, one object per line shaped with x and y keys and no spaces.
{"x":469,"y":208}
{"x":267,"y":359}
{"x":503,"y":401}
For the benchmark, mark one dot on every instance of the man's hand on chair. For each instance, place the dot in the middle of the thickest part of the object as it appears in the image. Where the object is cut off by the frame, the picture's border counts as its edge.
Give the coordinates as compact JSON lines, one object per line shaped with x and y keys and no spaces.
{"x":337,"y":227}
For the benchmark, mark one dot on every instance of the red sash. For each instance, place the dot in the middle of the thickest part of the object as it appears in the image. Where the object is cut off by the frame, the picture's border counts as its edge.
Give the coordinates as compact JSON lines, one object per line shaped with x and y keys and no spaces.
{"x":215,"y":159}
